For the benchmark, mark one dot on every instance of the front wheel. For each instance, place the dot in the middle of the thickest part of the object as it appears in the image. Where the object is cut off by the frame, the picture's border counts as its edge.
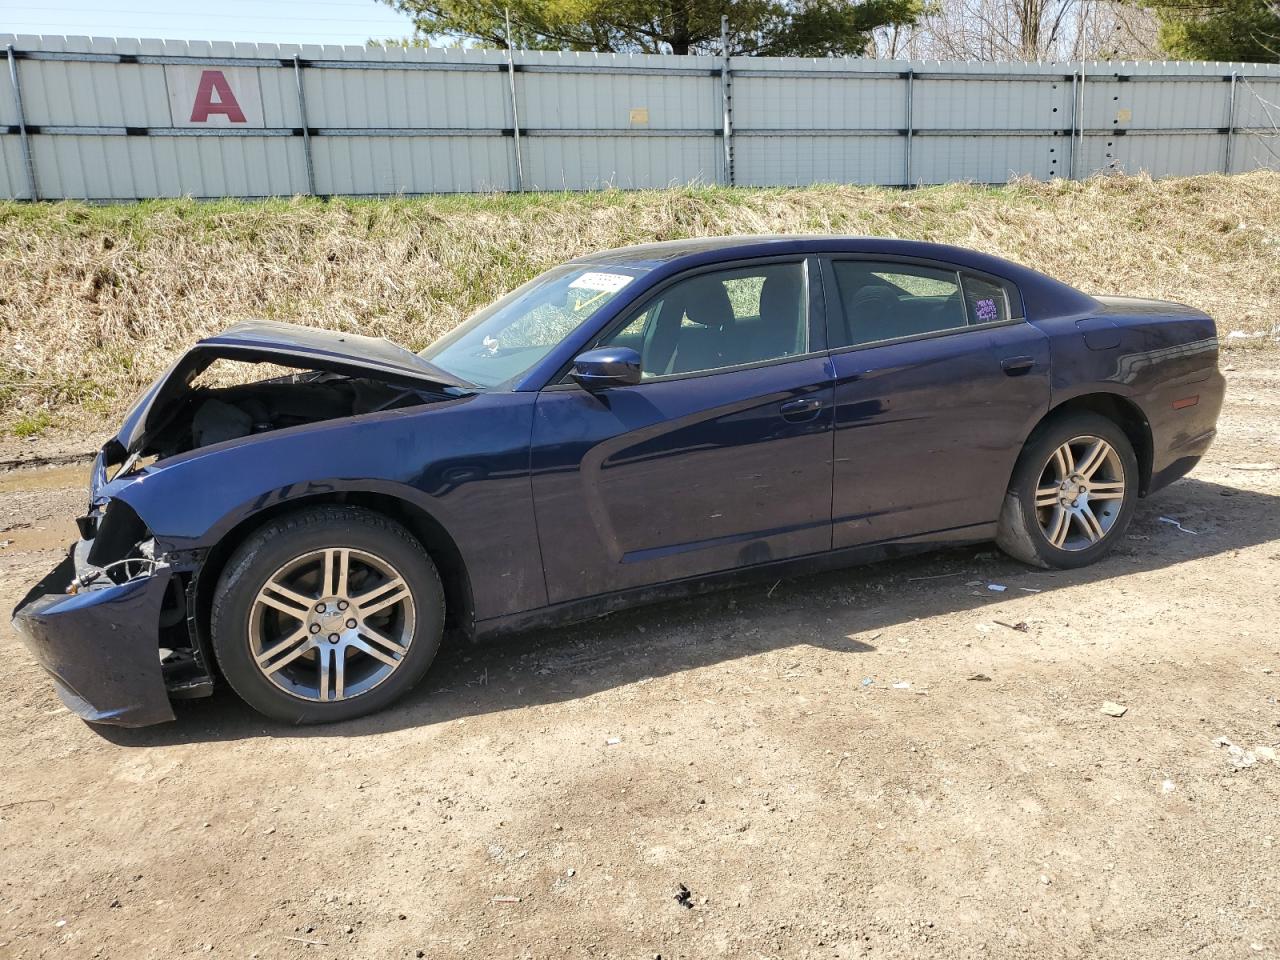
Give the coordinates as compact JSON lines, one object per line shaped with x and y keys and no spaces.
{"x":1072,"y":493}
{"x":327,"y":614}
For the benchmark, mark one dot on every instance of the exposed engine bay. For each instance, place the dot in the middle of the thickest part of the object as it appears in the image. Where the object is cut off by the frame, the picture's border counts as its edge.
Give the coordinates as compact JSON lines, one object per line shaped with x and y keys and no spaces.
{"x":209,"y":415}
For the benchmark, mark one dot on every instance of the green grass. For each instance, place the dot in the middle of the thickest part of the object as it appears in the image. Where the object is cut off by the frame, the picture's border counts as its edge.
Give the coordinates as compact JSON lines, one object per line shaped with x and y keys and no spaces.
{"x":32,"y":424}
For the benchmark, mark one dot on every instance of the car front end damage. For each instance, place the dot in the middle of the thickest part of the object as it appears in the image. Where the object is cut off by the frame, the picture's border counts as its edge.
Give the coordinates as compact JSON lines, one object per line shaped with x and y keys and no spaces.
{"x":110,"y":622}
{"x":115,"y":623}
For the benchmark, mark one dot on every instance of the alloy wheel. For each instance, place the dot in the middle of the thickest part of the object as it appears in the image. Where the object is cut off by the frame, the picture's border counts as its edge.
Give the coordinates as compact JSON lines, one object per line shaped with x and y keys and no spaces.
{"x":1080,"y":492}
{"x":331,"y":624}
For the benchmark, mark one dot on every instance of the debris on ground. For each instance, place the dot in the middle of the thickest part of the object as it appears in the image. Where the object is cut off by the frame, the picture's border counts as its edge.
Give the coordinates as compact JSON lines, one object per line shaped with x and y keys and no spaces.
{"x":977,"y":676}
{"x":997,"y":587}
{"x":902,"y":685}
{"x":1264,"y":752}
{"x":1021,"y":626}
{"x":1240,"y":757}
{"x":868,"y":681}
{"x":1175,"y":523}
{"x":684,"y":896}
{"x":1168,"y":786}
{"x":1113,"y":709}
{"x":613,"y":741}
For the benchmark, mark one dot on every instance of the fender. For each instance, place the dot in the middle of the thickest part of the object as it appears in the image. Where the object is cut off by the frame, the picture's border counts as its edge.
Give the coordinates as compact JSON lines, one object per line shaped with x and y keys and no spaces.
{"x":439,"y":459}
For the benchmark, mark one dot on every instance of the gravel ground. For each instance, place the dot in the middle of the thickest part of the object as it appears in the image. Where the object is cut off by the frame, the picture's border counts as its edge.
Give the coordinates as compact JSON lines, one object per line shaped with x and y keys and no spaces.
{"x":893,"y":761}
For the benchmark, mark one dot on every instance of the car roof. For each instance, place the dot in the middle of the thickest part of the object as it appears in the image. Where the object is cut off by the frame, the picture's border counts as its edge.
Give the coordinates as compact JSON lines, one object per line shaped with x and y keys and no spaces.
{"x":763,"y":245}
{"x":1042,"y":295}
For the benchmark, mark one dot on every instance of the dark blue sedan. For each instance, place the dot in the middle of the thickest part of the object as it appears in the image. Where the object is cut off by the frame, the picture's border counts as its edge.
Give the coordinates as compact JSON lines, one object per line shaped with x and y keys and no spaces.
{"x":624,"y":427}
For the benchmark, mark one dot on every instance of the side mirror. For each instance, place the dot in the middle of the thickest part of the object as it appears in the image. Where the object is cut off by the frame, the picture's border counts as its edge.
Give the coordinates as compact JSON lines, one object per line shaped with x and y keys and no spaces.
{"x":606,"y":367}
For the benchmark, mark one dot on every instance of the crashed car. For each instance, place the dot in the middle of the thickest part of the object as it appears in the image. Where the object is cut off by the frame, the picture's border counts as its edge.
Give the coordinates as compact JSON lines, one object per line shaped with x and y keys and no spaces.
{"x":636,"y":424}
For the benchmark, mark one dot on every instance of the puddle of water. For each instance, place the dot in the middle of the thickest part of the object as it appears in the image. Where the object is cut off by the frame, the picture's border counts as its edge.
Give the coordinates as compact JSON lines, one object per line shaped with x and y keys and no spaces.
{"x":74,"y":475}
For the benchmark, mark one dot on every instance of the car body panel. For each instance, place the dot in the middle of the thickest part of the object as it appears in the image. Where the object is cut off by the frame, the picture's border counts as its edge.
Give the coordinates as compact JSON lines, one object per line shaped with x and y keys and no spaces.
{"x":463,"y":462}
{"x":1158,"y":355}
{"x":99,"y":645}
{"x":674,"y":478}
{"x":564,"y":503}
{"x":928,"y":430}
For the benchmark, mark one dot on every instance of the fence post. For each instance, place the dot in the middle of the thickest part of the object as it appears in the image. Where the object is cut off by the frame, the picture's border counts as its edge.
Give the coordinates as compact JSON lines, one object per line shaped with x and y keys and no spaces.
{"x":1071,"y":138}
{"x":515,"y":110}
{"x":27,"y":158}
{"x":1231,"y":123}
{"x":306,"y":125}
{"x":906,"y":162}
{"x":1080,"y":125}
{"x":726,"y":100}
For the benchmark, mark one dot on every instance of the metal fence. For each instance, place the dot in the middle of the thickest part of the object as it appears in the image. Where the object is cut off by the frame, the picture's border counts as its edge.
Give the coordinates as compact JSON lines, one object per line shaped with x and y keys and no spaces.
{"x":125,"y":119}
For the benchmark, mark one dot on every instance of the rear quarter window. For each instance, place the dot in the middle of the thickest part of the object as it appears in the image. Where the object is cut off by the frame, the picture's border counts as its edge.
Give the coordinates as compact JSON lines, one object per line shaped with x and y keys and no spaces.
{"x":985,"y":301}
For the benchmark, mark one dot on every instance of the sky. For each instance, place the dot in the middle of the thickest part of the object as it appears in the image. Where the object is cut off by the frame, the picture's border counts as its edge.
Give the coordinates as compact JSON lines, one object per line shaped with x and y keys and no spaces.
{"x":262,"y":21}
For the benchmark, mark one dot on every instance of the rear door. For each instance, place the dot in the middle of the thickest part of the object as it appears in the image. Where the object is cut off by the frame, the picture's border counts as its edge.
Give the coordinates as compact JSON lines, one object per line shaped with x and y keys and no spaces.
{"x":719,"y":458}
{"x":938,"y":381}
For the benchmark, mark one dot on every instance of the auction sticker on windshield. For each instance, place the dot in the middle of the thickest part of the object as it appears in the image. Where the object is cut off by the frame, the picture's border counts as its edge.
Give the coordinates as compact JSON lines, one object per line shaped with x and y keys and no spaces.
{"x":602,"y":282}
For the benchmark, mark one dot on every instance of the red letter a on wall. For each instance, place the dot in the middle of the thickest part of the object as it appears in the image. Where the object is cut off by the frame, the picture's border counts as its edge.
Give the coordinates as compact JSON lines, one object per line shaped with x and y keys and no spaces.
{"x":211,"y":82}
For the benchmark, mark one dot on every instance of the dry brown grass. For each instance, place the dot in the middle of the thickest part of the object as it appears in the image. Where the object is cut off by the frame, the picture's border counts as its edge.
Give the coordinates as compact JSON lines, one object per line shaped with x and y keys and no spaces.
{"x":94,"y":301}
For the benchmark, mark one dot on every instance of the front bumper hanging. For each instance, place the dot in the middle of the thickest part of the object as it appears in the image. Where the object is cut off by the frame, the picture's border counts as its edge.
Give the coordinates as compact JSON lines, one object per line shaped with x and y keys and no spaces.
{"x":100,"y":645}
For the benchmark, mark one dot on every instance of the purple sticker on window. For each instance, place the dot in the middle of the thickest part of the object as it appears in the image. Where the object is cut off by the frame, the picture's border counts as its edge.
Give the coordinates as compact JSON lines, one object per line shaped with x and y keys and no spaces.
{"x":986,"y":310}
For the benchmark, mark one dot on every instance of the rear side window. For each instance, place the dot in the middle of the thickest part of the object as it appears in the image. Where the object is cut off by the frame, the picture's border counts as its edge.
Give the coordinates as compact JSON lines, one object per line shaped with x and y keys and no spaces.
{"x":985,"y":300}
{"x":885,"y":301}
{"x":889,"y":301}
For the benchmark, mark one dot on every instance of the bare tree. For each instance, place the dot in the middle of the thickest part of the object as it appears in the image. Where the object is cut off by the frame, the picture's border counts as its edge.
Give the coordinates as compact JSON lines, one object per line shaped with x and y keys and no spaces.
{"x":1027,"y":30}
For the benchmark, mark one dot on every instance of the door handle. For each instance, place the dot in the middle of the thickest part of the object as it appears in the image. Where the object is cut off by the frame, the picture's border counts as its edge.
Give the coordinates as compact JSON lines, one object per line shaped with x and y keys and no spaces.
{"x":1017,"y":366}
{"x":797,"y":411}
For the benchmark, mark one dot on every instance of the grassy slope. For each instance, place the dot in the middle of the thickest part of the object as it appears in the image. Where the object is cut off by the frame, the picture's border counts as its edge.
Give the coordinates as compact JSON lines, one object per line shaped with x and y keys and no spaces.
{"x":94,"y":301}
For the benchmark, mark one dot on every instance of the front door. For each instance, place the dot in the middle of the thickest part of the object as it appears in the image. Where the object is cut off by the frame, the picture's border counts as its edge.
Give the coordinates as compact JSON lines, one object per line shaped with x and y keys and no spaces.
{"x":938,"y":383}
{"x":719,"y":458}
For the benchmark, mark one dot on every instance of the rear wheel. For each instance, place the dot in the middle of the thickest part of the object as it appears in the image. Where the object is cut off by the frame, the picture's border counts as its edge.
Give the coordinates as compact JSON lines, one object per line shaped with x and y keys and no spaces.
{"x":1072,"y":494}
{"x":327,"y":614}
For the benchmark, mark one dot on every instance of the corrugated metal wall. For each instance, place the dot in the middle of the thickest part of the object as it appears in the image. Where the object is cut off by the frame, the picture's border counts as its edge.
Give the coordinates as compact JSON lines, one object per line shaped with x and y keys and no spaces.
{"x":124,"y":119}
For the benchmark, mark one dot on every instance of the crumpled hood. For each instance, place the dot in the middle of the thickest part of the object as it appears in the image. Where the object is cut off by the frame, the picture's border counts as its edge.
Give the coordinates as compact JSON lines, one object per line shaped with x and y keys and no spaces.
{"x":286,"y":344}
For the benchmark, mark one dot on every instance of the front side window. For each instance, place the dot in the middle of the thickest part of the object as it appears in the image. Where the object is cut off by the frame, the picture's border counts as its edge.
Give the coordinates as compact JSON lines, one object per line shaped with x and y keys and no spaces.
{"x":508,"y":337}
{"x":724,"y":318}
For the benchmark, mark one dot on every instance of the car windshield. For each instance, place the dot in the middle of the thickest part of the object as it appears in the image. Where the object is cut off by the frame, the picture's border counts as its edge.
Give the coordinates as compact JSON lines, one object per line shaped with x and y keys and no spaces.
{"x":508,"y":337}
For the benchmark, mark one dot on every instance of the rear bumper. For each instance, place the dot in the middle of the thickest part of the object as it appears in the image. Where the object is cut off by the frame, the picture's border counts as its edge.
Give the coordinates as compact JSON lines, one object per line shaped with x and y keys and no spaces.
{"x":100,"y":646}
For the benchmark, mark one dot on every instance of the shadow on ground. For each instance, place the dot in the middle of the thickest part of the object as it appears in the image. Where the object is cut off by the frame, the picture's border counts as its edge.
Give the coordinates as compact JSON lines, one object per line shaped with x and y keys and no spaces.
{"x":841,"y":610}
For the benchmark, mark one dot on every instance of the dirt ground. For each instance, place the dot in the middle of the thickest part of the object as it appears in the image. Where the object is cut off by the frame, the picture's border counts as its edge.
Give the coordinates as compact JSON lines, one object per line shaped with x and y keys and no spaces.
{"x":882,"y":762}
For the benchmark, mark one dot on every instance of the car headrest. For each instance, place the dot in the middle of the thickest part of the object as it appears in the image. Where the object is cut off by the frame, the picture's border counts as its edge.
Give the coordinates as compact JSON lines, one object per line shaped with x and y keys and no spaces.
{"x":873,"y":296}
{"x":704,"y":300}
{"x":780,"y":296}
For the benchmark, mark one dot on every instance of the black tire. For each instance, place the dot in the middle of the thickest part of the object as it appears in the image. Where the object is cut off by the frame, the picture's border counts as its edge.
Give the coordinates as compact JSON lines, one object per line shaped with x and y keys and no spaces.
{"x":283,"y":540}
{"x":1020,"y":532}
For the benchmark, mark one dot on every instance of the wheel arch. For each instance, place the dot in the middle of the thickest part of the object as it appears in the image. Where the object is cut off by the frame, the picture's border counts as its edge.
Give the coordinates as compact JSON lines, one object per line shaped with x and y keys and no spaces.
{"x":435,"y":539}
{"x":1121,"y":411}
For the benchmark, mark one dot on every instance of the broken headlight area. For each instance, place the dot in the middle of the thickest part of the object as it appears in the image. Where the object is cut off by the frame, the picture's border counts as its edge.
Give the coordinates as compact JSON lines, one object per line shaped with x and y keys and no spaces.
{"x":119,"y":550}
